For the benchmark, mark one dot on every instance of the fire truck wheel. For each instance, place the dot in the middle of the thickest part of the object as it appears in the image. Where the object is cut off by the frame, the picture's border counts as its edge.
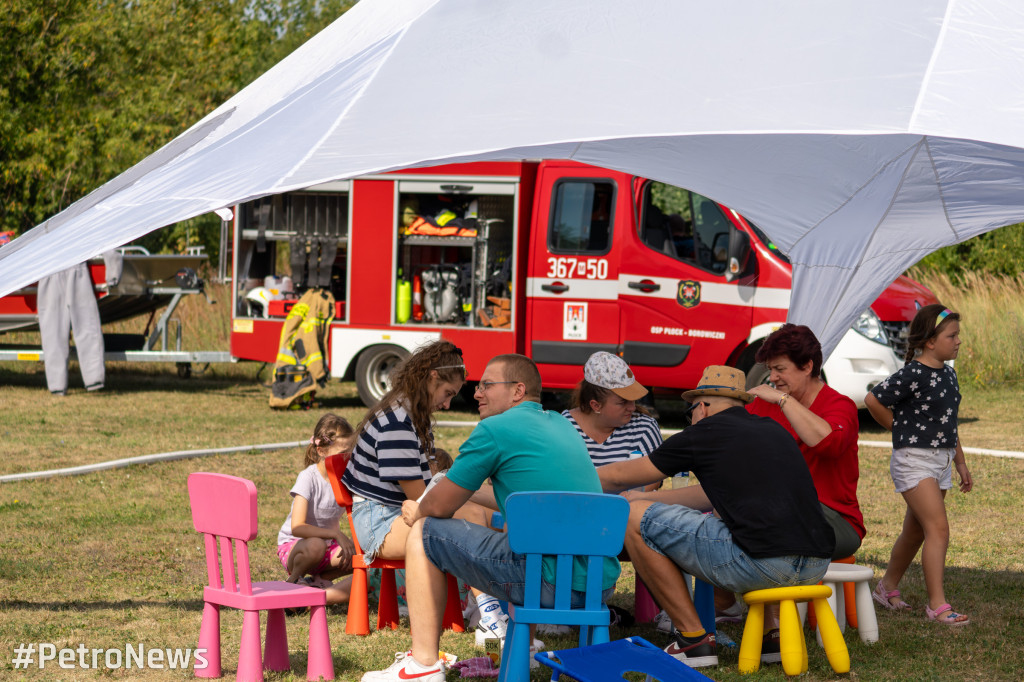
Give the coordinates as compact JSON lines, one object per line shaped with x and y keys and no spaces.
{"x":757,"y":375}
{"x":373,"y":369}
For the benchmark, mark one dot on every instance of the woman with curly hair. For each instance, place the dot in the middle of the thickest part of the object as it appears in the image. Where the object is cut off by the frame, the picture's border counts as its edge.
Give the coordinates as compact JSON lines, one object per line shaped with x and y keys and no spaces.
{"x":391,"y":459}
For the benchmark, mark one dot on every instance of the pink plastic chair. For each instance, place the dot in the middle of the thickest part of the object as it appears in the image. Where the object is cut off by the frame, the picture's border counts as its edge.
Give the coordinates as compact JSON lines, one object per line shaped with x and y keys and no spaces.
{"x":224,"y":509}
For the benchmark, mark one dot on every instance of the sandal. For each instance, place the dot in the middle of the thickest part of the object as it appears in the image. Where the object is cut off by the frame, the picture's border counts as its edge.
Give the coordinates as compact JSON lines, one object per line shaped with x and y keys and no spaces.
{"x":316,"y":581}
{"x":880,"y":595}
{"x":950,"y":617}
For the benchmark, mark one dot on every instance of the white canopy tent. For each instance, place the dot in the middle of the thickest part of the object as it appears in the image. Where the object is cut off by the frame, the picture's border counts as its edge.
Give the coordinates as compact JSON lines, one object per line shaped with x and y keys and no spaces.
{"x":859,"y":135}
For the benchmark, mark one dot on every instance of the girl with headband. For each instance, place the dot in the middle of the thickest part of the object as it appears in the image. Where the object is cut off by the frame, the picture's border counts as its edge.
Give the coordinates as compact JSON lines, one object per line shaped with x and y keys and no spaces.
{"x":919,"y":404}
{"x":391,"y":459}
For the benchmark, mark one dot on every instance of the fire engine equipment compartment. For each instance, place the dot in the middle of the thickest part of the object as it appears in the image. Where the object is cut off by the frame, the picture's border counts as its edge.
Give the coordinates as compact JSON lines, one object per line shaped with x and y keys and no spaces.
{"x":455,"y":246}
{"x":291,"y":243}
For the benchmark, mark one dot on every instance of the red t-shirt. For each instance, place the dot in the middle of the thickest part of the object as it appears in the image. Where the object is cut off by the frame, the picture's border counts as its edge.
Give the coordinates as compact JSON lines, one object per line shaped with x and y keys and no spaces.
{"x":833,"y":462}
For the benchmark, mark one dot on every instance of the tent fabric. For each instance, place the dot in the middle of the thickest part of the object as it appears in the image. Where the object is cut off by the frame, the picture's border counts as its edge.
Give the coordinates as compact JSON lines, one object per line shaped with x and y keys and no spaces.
{"x":859,"y":136}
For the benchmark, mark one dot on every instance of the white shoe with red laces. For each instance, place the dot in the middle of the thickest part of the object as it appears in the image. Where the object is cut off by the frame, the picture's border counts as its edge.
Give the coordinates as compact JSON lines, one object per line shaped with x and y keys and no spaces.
{"x":404,"y":669}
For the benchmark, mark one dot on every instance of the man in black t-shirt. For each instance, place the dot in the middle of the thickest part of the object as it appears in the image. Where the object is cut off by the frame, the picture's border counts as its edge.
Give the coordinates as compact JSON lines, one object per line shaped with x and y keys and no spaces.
{"x":768,"y":529}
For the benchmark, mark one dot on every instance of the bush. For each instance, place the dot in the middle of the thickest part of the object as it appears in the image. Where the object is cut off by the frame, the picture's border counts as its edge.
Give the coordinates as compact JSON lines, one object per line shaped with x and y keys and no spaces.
{"x":999,"y":252}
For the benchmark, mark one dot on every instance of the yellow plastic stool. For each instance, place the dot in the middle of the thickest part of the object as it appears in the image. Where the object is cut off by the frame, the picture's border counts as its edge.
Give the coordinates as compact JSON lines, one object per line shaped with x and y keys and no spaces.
{"x":791,"y":635}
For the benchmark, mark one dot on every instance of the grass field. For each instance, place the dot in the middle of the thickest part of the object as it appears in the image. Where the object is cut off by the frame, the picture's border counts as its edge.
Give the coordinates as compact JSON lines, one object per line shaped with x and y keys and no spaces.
{"x":110,"y":559}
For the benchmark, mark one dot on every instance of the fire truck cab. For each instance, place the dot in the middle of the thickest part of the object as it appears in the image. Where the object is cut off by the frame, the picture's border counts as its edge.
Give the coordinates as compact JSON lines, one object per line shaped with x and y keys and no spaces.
{"x":551,"y":259}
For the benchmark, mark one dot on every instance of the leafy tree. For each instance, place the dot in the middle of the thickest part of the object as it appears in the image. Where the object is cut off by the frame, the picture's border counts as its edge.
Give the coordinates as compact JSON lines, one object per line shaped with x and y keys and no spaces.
{"x":90,"y":87}
{"x":999,"y":252}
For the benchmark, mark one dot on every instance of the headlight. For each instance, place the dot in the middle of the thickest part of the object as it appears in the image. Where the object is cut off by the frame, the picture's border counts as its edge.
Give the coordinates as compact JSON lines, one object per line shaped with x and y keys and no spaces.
{"x":870,"y":326}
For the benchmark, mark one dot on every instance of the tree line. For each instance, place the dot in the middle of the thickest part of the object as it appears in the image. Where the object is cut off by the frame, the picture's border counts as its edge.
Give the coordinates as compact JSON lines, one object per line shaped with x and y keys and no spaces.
{"x":89,"y":88}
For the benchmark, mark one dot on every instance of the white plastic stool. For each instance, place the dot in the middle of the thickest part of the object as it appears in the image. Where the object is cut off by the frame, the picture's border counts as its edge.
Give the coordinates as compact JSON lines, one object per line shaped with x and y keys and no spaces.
{"x":835,"y":576}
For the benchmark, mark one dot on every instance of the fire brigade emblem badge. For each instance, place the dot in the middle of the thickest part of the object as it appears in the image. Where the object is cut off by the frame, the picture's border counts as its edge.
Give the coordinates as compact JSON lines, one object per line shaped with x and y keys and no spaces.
{"x":688,"y":293}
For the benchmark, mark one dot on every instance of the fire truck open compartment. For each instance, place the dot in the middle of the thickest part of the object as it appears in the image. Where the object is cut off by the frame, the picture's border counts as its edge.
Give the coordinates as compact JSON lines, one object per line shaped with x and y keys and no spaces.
{"x":289,"y":243}
{"x":455,"y":253}
{"x":456,"y":262}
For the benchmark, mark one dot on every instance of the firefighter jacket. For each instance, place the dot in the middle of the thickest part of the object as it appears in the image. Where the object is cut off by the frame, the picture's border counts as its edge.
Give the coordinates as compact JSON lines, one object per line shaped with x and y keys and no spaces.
{"x":301,"y":363}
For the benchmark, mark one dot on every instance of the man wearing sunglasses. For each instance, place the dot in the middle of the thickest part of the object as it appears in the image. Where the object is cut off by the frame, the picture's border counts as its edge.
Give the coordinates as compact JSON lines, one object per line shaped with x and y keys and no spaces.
{"x":768,"y":529}
{"x":520,"y":447}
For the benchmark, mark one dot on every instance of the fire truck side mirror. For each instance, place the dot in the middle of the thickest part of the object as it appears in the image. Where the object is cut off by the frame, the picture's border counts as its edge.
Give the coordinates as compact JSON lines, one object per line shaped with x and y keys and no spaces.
{"x":738,"y":263}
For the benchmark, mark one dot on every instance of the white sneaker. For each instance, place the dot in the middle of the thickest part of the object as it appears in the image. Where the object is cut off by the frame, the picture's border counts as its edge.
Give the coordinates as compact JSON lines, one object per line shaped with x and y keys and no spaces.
{"x":664,"y":623}
{"x":535,"y":646}
{"x":496,"y":632}
{"x":733,"y":614}
{"x":406,"y":668}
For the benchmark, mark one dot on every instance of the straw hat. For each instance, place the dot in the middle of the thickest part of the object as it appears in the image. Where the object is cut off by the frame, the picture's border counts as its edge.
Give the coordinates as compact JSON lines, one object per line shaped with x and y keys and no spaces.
{"x":610,"y":371}
{"x":721,"y":381}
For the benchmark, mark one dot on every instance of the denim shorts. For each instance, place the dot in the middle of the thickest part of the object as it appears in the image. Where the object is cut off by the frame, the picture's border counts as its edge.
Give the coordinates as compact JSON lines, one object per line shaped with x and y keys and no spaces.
{"x":701,"y":545}
{"x":483,"y":558}
{"x":372,"y":521}
{"x":910,"y":466}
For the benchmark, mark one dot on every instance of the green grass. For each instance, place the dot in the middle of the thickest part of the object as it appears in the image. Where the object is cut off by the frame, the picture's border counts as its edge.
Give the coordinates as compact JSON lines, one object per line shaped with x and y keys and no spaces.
{"x":109,"y":559}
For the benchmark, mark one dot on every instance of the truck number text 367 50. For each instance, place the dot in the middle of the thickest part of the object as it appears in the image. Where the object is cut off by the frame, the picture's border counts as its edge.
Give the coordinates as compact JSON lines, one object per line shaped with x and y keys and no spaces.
{"x":589,"y":268}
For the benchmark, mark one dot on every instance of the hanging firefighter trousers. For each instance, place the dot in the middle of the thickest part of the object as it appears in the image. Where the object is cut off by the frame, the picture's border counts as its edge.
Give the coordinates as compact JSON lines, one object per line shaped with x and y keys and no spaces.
{"x":66,"y":303}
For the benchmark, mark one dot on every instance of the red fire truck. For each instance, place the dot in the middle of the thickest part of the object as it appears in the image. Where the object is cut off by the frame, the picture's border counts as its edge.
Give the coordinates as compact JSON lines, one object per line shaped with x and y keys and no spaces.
{"x":552,"y":259}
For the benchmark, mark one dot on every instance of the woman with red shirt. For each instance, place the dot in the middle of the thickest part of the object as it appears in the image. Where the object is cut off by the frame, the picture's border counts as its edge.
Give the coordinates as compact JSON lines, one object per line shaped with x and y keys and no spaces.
{"x":823,"y":422}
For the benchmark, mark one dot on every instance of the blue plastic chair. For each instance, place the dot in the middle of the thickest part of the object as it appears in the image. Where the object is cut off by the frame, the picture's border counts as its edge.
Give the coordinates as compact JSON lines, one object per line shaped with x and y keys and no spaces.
{"x":565,"y":525}
{"x":608,"y":662}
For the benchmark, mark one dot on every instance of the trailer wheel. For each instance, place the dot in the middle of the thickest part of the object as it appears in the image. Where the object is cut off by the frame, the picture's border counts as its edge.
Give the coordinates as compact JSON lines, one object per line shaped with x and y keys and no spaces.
{"x":373,"y":370}
{"x":184,"y":370}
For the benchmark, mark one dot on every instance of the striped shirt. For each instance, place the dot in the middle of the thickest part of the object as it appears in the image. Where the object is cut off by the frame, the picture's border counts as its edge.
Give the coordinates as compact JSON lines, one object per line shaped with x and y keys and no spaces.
{"x":640,"y":433}
{"x":387,"y":451}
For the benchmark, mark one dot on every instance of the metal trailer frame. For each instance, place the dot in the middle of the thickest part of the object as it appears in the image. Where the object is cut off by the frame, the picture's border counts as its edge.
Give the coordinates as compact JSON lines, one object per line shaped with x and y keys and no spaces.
{"x":155,"y":347}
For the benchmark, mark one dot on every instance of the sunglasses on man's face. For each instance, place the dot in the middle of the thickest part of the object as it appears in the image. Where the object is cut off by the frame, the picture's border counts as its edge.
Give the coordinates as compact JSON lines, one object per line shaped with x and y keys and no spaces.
{"x":693,"y":406}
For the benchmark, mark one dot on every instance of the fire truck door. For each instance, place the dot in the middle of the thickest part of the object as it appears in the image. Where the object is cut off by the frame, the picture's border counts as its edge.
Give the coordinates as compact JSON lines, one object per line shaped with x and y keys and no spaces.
{"x":573,"y":273}
{"x":679,"y":313}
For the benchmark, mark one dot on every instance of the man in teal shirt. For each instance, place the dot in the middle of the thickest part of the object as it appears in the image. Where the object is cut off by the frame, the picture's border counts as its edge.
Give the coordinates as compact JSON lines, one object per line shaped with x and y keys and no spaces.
{"x":520,"y":447}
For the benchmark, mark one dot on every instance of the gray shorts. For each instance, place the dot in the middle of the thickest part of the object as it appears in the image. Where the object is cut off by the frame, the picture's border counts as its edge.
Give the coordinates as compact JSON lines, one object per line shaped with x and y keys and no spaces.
{"x":910,"y":466}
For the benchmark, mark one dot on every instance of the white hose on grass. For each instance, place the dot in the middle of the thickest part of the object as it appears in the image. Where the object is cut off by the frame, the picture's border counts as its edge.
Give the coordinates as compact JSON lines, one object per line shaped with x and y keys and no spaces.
{"x":144,"y":459}
{"x":186,"y":454}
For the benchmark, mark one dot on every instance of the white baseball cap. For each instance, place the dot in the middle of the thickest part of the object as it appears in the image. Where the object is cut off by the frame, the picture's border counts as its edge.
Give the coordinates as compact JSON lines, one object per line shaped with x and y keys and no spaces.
{"x":610,"y":371}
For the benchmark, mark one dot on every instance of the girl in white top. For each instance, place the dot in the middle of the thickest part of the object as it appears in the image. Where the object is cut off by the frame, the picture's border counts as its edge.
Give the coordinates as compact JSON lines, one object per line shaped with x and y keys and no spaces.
{"x":310,"y":540}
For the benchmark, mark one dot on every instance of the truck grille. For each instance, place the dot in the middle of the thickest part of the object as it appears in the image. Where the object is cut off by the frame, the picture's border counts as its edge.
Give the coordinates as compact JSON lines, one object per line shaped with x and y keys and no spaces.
{"x":897,"y":333}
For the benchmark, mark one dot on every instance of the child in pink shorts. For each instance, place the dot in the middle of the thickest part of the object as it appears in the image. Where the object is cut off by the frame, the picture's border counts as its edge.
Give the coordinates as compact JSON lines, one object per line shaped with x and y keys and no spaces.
{"x":310,"y":541}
